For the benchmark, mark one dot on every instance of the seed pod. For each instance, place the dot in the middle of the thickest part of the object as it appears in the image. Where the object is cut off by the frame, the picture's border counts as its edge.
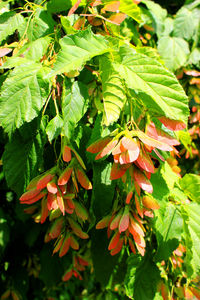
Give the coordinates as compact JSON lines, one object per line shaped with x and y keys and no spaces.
{"x":103,"y":223}
{"x":42,"y":182}
{"x":35,"y":199}
{"x":65,"y":246}
{"x":77,"y":229}
{"x":98,"y":145}
{"x":65,"y":175}
{"x":124,"y":221}
{"x":83,"y":179}
{"x":118,"y":247}
{"x":114,"y":241}
{"x":67,"y":275}
{"x":67,"y":156}
{"x":30,"y":194}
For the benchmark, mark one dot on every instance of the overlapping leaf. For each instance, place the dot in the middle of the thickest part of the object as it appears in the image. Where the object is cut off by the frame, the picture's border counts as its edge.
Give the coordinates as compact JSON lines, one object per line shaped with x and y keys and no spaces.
{"x":169,"y":227}
{"x":190,"y":183}
{"x":22,"y":96}
{"x":131,"y":9}
{"x":77,"y":49}
{"x":9,"y":22}
{"x":23,"y":156}
{"x":193,"y":240}
{"x":113,"y":92}
{"x":174,"y":51}
{"x":157,"y":88}
{"x":74,"y":104}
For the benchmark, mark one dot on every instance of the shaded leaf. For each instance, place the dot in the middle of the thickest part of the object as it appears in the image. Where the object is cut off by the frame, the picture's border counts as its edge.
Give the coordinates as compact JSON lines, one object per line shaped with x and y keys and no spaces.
{"x":169,"y":227}
{"x":23,"y":157}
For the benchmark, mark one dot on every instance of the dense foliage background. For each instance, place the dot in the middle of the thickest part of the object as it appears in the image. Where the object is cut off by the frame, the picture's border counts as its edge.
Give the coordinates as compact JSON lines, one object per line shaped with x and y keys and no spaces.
{"x":77,"y":77}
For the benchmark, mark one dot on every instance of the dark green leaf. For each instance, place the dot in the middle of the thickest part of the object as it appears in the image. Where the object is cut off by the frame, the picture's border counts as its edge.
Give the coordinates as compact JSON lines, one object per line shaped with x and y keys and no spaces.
{"x":103,"y":262}
{"x":23,"y":156}
{"x":103,"y":189}
{"x":142,"y":278}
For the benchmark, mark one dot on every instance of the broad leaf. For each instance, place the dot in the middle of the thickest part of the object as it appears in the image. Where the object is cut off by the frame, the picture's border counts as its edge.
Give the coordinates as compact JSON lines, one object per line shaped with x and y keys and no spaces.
{"x":55,"y":6}
{"x":74,"y":105}
{"x":103,"y":262}
{"x":186,"y":23}
{"x":174,"y":51}
{"x":157,"y":88}
{"x":169,"y":227}
{"x":23,"y":156}
{"x":35,"y":50}
{"x":142,"y":278}
{"x":158,"y":15}
{"x":41,"y":24}
{"x":131,"y":9}
{"x":113,"y":92}
{"x":22,"y":96}
{"x":193,"y":242}
{"x":103,"y":189}
{"x":77,"y":49}
{"x":9,"y":22}
{"x":54,"y":128}
{"x":190,"y":184}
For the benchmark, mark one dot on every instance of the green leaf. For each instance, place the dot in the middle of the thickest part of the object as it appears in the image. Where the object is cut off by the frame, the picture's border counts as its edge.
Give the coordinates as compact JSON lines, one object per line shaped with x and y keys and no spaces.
{"x":22,"y":96}
{"x":4,"y":3}
{"x":35,"y":50}
{"x":156,"y":87}
{"x":194,"y":57}
{"x":186,"y":23}
{"x":4,"y":231}
{"x":77,"y":49}
{"x":23,"y":156}
{"x":66,"y":24}
{"x":9,"y":22}
{"x":142,"y":278}
{"x":41,"y":24}
{"x":113,"y":92}
{"x":158,"y":15}
{"x":168,"y":225}
{"x":54,"y":128}
{"x":174,"y":51}
{"x":74,"y":105}
{"x":130,"y":9}
{"x":103,"y":262}
{"x":193,"y":243}
{"x":55,"y":6}
{"x":103,"y":189}
{"x":190,"y":184}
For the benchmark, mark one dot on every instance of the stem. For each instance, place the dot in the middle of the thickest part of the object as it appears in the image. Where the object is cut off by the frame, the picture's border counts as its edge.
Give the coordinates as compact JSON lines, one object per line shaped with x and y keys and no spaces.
{"x":47,"y":101}
{"x":55,"y":103}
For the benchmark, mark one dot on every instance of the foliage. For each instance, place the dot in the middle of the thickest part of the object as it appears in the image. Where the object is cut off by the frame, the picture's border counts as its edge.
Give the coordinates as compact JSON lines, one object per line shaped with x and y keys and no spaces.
{"x":98,"y":150}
